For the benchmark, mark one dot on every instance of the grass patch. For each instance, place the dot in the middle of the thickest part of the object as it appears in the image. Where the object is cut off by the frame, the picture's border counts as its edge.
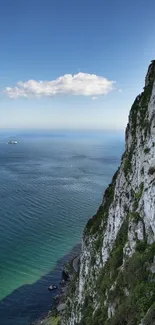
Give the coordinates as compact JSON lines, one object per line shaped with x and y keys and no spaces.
{"x":52,"y":321}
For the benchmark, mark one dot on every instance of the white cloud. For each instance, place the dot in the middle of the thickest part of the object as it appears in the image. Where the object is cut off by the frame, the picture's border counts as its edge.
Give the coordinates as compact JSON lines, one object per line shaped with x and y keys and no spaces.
{"x":83,"y":84}
{"x":94,"y":98}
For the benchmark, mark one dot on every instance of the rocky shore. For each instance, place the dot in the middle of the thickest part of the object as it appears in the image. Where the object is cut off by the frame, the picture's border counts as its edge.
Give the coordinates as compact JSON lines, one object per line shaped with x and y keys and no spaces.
{"x":69,"y":272}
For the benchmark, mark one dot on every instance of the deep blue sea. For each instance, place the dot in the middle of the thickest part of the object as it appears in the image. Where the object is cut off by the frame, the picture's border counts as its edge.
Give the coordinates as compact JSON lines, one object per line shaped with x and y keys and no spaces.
{"x":50,"y":184}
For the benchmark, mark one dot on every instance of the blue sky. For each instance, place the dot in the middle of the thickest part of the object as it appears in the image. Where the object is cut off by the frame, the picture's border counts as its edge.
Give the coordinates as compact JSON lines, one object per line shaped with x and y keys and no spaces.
{"x":93,"y":42}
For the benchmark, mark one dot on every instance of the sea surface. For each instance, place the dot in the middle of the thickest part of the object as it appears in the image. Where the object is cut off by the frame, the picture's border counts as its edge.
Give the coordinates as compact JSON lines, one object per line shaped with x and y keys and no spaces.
{"x":50,"y":184}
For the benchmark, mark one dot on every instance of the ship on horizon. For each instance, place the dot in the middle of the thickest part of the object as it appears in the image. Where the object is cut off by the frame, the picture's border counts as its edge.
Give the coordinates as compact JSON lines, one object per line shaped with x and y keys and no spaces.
{"x":12,"y":142}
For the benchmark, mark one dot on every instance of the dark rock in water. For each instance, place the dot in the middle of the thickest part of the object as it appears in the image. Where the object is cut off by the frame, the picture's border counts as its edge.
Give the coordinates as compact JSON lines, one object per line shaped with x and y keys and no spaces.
{"x":65,"y":275}
{"x":52,"y":287}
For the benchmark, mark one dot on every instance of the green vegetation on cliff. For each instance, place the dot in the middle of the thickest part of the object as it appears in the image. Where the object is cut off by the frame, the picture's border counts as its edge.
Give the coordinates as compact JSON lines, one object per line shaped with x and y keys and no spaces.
{"x":130,"y":289}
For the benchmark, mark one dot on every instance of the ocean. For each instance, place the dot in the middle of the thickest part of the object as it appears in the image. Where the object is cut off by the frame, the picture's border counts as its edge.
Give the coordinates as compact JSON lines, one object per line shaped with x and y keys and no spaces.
{"x":51,"y":182}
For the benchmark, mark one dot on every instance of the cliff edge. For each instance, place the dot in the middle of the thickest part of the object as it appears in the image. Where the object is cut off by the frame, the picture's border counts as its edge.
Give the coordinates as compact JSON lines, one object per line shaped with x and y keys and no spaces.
{"x":115,"y":284}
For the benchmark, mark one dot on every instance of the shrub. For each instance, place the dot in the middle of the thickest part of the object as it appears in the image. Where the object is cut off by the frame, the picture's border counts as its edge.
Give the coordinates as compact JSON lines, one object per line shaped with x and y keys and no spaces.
{"x":151,"y":170}
{"x":141,"y":246}
{"x":146,"y":150}
{"x":142,"y":171}
{"x":135,"y":216}
{"x":117,"y":257}
{"x":127,"y":166}
{"x":149,"y":319}
{"x":139,"y":194}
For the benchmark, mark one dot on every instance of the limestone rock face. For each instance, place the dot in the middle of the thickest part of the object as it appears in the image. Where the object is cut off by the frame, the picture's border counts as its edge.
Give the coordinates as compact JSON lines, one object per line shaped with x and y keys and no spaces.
{"x":116,"y":281}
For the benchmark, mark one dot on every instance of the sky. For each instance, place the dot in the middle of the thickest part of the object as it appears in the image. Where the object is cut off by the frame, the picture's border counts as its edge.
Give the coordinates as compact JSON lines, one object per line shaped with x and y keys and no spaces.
{"x":73,"y":64}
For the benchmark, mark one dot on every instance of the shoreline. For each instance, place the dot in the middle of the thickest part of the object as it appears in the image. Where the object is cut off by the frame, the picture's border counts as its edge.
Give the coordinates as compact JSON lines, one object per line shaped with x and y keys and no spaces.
{"x":33,"y":301}
{"x":53,"y":317}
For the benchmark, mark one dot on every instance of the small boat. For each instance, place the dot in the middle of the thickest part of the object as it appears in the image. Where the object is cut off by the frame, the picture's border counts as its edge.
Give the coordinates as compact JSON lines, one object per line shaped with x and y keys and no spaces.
{"x":51,"y":288}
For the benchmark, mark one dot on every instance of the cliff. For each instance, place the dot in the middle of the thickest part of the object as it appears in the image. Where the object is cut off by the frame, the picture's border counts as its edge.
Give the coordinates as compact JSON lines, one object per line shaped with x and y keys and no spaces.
{"x":115,"y":284}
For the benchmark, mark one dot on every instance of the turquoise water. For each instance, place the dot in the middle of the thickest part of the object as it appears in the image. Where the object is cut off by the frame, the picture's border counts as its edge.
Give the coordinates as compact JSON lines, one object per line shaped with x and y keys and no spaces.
{"x":51,"y":183}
